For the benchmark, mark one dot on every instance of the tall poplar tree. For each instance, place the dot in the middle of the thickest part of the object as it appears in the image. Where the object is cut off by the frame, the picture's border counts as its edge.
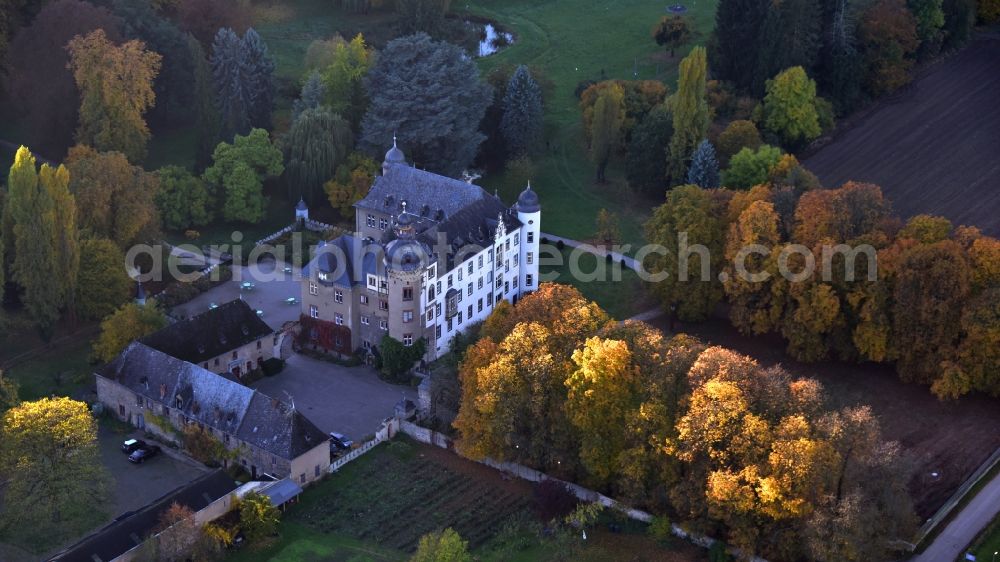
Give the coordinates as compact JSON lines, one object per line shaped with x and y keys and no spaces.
{"x":232,"y":99}
{"x":55,"y":181}
{"x":606,"y":127}
{"x":521,"y":124}
{"x":34,"y":227}
{"x":690,"y":109}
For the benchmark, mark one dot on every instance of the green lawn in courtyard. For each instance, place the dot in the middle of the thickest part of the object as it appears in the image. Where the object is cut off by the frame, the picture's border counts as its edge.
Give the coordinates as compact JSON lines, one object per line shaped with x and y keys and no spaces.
{"x":616,"y":288}
{"x":989,"y":542}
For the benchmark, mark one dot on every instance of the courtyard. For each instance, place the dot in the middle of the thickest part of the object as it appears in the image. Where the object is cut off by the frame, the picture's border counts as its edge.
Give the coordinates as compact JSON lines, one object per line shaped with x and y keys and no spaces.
{"x":348,"y":400}
{"x":266,"y":288}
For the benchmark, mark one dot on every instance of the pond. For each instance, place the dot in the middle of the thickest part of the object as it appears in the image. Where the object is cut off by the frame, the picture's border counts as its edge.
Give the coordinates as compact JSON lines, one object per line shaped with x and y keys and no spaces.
{"x":491,"y":39}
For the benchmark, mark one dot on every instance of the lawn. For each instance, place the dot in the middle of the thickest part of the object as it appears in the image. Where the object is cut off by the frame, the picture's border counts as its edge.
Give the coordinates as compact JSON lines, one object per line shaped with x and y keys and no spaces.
{"x":62,"y":370}
{"x":988,"y":543}
{"x":617,"y":289}
{"x":377,"y":508}
{"x":572,"y":41}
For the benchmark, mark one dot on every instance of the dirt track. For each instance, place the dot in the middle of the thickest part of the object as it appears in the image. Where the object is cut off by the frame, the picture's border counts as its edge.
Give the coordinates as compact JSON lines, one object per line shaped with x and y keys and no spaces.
{"x":935,"y":148}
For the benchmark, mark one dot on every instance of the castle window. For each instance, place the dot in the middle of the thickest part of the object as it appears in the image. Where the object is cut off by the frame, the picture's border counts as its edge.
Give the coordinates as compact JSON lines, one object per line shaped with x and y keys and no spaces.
{"x":506,"y":266}
{"x":371,"y":221}
{"x":430,"y":315}
{"x":529,"y":258}
{"x":514,"y":281}
{"x":491,"y":255}
{"x":459,"y":318}
{"x":407,"y":316}
{"x":469,"y":290}
{"x":313,"y":311}
{"x":451,"y":303}
{"x":407,"y":340}
{"x":430,"y":293}
{"x":338,"y":319}
{"x":437,"y":309}
{"x":437,"y":331}
{"x":480,"y":284}
{"x":460,"y":274}
{"x":517,"y":240}
{"x":449,"y":282}
{"x":407,"y":293}
{"x":383,"y":304}
{"x":383,"y":224}
{"x":383,"y":325}
{"x":468,"y":311}
{"x":470,"y":267}
{"x":489,"y":299}
{"x":364,"y":299}
{"x":515,"y":260}
{"x":480,"y":266}
{"x":313,"y":288}
{"x":528,"y":279}
{"x":480,"y":307}
{"x":506,"y":287}
{"x":365,"y":321}
{"x":507,"y":245}
{"x":431,"y":271}
{"x":338,"y":296}
{"x":531,"y":237}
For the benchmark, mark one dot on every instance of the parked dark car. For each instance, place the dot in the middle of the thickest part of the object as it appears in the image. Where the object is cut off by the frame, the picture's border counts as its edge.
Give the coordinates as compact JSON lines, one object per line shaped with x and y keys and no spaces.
{"x":340,"y":441}
{"x":130,"y":445}
{"x":142,"y":454}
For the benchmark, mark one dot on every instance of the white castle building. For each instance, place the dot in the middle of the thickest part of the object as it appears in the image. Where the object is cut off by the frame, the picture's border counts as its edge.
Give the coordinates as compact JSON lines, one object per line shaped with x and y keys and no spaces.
{"x":430,"y":255}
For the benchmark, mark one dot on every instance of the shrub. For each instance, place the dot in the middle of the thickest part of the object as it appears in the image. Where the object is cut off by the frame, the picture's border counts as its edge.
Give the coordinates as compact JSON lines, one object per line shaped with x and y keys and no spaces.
{"x":553,"y":500}
{"x":203,"y":446}
{"x":273,"y":366}
{"x":192,"y":234}
{"x":661,"y":529}
{"x":717,"y":552}
{"x":258,"y":518}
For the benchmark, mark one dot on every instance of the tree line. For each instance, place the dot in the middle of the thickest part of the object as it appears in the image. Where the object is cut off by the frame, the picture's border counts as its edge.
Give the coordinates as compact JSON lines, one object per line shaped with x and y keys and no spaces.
{"x":932,"y":308}
{"x":698,"y":434}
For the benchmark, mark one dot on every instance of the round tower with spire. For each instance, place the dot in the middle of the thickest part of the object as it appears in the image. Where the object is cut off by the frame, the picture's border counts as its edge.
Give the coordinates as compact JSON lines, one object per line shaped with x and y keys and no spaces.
{"x":393,"y":156}
{"x":529,"y":212}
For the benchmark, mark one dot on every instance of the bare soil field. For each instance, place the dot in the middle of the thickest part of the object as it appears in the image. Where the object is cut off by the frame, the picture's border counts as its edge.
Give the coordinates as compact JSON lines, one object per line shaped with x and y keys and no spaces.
{"x":949,"y":438}
{"x":935,"y":147}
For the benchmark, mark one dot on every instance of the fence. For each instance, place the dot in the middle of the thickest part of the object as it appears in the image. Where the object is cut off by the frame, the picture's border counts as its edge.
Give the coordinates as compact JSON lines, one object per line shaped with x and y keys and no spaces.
{"x":956,"y":498}
{"x":276,"y":235}
{"x":384,"y":433}
{"x":430,"y":437}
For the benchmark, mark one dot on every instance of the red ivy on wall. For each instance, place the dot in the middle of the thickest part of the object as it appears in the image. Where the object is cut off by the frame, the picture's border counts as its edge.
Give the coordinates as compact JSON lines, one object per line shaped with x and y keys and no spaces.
{"x":327,"y":335}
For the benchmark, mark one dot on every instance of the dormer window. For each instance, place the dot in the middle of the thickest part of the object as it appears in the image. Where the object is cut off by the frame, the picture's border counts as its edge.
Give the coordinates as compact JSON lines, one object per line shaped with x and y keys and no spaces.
{"x":324,"y":276}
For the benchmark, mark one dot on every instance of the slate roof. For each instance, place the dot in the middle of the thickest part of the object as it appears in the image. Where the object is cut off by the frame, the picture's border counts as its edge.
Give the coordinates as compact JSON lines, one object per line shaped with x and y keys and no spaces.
{"x":124,"y":533}
{"x":214,"y":400}
{"x":329,"y":256}
{"x":210,"y":334}
{"x":425,"y":193}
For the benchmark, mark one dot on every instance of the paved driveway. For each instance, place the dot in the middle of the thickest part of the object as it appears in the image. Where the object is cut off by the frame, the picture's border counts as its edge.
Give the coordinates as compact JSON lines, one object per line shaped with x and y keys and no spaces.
{"x":136,"y":485}
{"x":349,"y":400}
{"x":272,"y":287}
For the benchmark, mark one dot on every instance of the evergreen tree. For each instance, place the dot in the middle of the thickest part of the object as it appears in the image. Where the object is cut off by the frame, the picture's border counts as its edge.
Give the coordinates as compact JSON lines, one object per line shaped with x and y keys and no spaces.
{"x":645,"y":164}
{"x":690,"y":110}
{"x":790,"y":36}
{"x":259,"y":71}
{"x":704,"y":170}
{"x":521,"y":124}
{"x":35,"y":267}
{"x":232,"y":95}
{"x":317,"y":144}
{"x":174,"y":95}
{"x":206,"y":113}
{"x":311,"y":97}
{"x":430,"y":95}
{"x":840,"y":63}
{"x":734,"y":43}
